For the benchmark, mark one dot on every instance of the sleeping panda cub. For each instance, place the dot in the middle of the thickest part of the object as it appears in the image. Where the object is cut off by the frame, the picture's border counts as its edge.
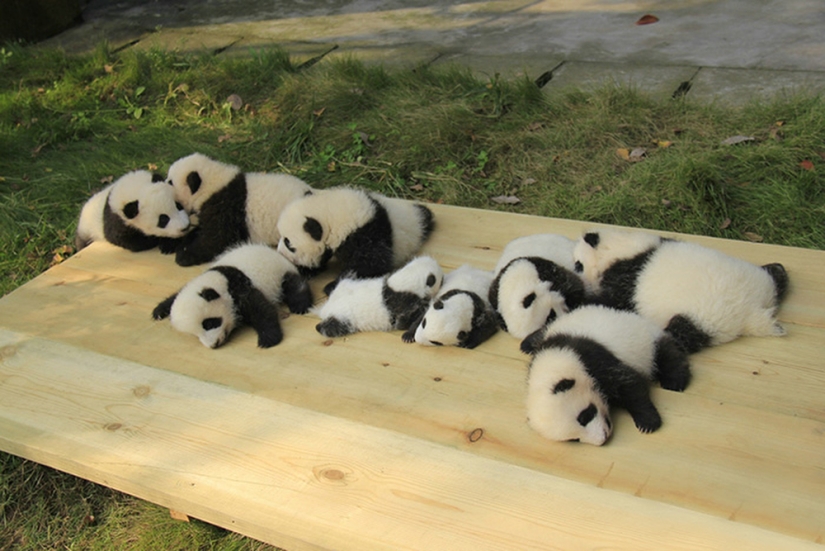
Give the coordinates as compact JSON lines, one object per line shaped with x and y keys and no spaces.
{"x":370,"y":234}
{"x":460,"y":315}
{"x":137,"y":212}
{"x":243,"y":286}
{"x":384,"y":303}
{"x":593,"y":358}
{"x":699,"y":295}
{"x":535,"y":282}
{"x":230,"y":206}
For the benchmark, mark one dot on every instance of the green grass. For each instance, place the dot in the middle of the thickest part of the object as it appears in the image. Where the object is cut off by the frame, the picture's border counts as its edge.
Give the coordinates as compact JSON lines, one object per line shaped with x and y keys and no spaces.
{"x":69,"y":124}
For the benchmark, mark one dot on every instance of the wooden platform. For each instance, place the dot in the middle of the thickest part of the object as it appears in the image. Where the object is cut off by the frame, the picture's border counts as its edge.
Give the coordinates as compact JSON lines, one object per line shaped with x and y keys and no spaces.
{"x":370,"y":443}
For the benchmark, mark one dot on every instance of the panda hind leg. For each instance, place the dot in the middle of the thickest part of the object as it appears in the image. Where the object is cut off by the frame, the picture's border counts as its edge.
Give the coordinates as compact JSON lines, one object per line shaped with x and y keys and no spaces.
{"x":780,"y":279}
{"x":296,"y":293}
{"x":688,"y":336}
{"x":672,"y":365}
{"x":333,"y":327}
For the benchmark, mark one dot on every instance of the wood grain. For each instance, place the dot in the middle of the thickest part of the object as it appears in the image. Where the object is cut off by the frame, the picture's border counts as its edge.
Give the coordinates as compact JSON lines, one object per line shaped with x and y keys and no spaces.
{"x":366,"y":442}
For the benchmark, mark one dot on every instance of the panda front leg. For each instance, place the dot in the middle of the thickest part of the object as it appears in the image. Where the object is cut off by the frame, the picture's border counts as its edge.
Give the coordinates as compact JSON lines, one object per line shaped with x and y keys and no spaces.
{"x":296,"y":293}
{"x":672,"y":365}
{"x":333,"y":327}
{"x":633,"y":394}
{"x":263,"y":317}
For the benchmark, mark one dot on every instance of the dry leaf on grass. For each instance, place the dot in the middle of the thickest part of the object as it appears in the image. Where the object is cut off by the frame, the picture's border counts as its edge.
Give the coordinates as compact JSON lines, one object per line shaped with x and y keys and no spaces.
{"x":807,"y":164}
{"x":733,"y":140}
{"x":753,"y":237}
{"x":235,"y":102}
{"x":725,"y":225}
{"x":647,"y":19}
{"x":506,"y":200}
{"x":637,"y":154}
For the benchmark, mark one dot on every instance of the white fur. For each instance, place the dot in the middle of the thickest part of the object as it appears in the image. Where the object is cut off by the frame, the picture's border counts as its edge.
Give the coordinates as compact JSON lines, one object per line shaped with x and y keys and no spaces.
{"x":266,"y":193}
{"x":444,"y":325}
{"x":613,"y":245}
{"x":725,"y":296}
{"x":264,"y":266}
{"x":520,"y":279}
{"x":360,"y":302}
{"x":154,"y":199}
{"x":340,"y":212}
{"x":630,"y":337}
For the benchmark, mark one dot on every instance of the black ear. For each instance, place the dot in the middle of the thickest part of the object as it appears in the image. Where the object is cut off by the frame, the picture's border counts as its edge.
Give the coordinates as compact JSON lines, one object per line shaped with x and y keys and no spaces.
{"x":313,"y":228}
{"x":193,"y":180}
{"x":209,"y":294}
{"x":156,"y":178}
{"x":592,"y":239}
{"x":130,"y":210}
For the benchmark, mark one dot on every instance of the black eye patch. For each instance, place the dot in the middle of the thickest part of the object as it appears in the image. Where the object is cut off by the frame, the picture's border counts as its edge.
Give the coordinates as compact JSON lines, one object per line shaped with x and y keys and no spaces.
{"x":178,"y":206}
{"x":551,"y":316}
{"x":564,"y":385}
{"x":288,"y":245}
{"x":587,"y":415}
{"x":430,"y":280}
{"x":209,"y":294}
{"x":528,"y":300}
{"x":163,"y":220}
{"x":213,"y":323}
{"x":578,"y":266}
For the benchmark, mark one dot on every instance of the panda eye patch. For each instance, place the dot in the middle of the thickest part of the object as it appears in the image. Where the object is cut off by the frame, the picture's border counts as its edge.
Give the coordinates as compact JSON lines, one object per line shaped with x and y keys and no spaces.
{"x":587,"y":415}
{"x":528,"y":300}
{"x":578,"y":266}
{"x":163,"y":220}
{"x":178,"y":206}
{"x":211,"y":323}
{"x":438,"y":305}
{"x":564,"y":385}
{"x":209,"y":294}
{"x":430,"y":280}
{"x":288,"y":245}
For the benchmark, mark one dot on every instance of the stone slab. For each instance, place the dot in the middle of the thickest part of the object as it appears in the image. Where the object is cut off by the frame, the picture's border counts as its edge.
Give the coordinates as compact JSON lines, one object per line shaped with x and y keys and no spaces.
{"x":738,"y":86}
{"x":508,"y":66}
{"x":657,"y":80}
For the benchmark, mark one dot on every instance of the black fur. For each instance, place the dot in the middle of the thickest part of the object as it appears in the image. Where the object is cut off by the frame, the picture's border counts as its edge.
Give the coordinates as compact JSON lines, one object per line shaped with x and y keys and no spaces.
{"x":296,"y":293}
{"x":427,"y":221}
{"x":163,"y":309}
{"x":532,"y":342}
{"x":333,"y":327}
{"x":254,"y":308}
{"x":404,"y":307}
{"x":618,"y":285}
{"x":222,"y":224}
{"x":592,"y":239}
{"x":620,"y":384}
{"x":780,"y":279}
{"x":117,"y":232}
{"x":687,"y":335}
{"x":367,"y":252}
{"x":672,"y":365}
{"x":564,"y":282}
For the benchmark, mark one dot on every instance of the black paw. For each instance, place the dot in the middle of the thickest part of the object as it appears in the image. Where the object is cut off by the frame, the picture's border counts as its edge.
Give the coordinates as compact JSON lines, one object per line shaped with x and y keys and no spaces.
{"x":333,"y":327}
{"x":269,"y":338}
{"x":647,"y":420}
{"x":409,"y":336}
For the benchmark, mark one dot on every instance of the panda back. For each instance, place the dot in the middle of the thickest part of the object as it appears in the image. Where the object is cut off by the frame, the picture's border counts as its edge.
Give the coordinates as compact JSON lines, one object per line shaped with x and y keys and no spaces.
{"x":468,"y":278}
{"x":263,"y":265}
{"x":358,"y":302}
{"x":411,"y":226}
{"x":629,"y":336}
{"x":90,"y":223}
{"x":267,"y":196}
{"x":550,"y":246}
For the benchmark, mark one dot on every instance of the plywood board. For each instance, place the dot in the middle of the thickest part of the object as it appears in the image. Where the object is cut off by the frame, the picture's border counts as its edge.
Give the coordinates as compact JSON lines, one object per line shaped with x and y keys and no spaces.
{"x":367,"y":442}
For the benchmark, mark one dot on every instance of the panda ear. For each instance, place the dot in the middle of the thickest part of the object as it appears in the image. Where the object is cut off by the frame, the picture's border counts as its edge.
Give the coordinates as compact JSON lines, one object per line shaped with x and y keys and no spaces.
{"x":313,"y":228}
{"x":308,"y":192}
{"x":592,"y":239}
{"x":193,"y":180}
{"x":156,"y":178}
{"x":130,"y":210}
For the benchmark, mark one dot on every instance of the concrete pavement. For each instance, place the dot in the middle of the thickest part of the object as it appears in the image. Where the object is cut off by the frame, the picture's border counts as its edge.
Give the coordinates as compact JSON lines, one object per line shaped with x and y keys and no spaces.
{"x":712,"y":50}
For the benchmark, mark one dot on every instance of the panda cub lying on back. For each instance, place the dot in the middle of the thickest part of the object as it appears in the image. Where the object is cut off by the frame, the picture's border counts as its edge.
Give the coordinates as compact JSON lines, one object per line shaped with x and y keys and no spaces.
{"x":370,"y":234}
{"x":701,"y":296}
{"x":380,"y":303}
{"x":230,"y":206}
{"x":244,"y":285}
{"x":460,"y":315}
{"x":593,"y":358}
{"x":137,"y":212}
{"x":534,"y":282}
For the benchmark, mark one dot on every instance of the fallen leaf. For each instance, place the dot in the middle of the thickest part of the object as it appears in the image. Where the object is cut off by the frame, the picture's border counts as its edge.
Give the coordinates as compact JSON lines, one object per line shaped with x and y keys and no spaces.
{"x":663,"y":144}
{"x":725,"y":225}
{"x":36,"y":150}
{"x":733,"y":140}
{"x":319,"y":112}
{"x":807,"y":164}
{"x":235,"y":102}
{"x":417,"y":187}
{"x":637,"y":154}
{"x":533,"y":126}
{"x":506,"y":200}
{"x":775,"y":133}
{"x":152,"y":166}
{"x":529,"y":181}
{"x":331,"y":166}
{"x":108,"y":68}
{"x":107,"y":179}
{"x":647,"y":19}
{"x":752,"y":237}
{"x":779,"y":123}
{"x":666,"y":202}
{"x":223,"y":138}
{"x":624,"y":153}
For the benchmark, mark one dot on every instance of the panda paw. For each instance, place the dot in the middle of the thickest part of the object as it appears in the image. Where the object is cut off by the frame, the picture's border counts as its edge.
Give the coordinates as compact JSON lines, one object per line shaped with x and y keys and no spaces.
{"x":268,"y":339}
{"x":333,"y":327}
{"x":647,"y":421}
{"x":409,"y":335}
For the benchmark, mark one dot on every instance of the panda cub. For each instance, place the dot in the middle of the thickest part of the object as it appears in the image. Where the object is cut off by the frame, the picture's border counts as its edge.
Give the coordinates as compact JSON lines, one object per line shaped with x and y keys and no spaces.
{"x":460,"y":315}
{"x":535,"y":282}
{"x":593,"y":358}
{"x":384,"y":303}
{"x":244,"y":285}
{"x":230,"y":206}
{"x":699,"y":295}
{"x":137,"y":212}
{"x":370,"y":234}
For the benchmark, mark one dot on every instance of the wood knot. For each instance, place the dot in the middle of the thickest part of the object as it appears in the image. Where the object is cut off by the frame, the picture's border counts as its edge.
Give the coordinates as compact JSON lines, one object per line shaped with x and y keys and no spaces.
{"x":8,"y":351}
{"x":328,"y":342}
{"x":112,"y":426}
{"x":475,"y":435}
{"x":437,"y":379}
{"x":330,"y":474}
{"x":141,"y":391}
